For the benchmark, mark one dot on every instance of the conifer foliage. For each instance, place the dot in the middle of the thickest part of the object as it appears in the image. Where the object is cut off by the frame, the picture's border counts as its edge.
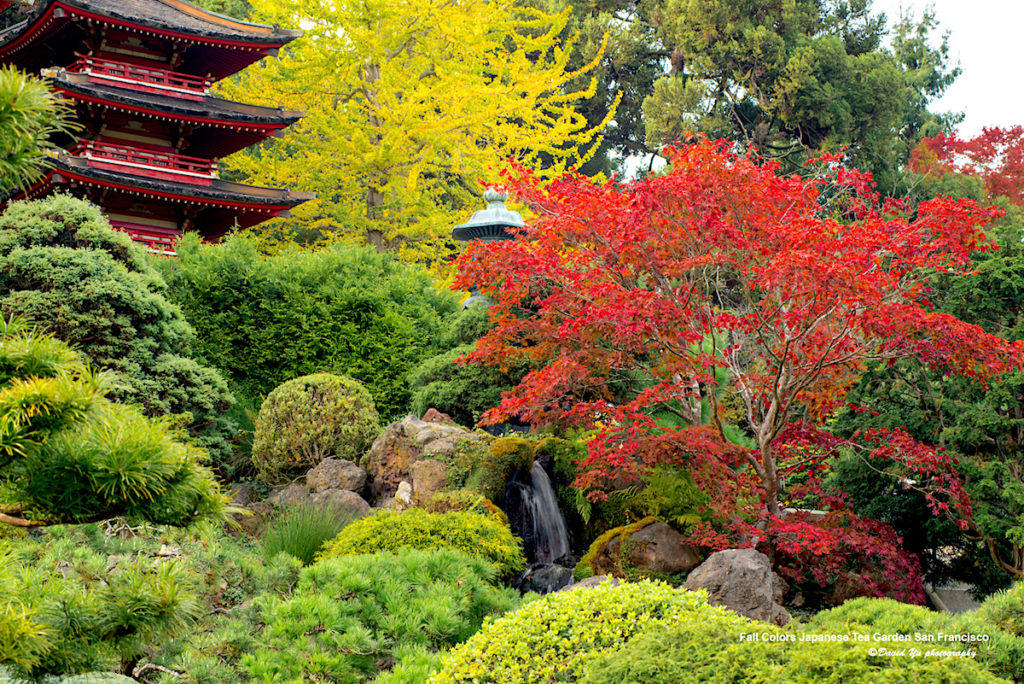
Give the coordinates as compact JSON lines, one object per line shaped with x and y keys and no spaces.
{"x":69,"y":455}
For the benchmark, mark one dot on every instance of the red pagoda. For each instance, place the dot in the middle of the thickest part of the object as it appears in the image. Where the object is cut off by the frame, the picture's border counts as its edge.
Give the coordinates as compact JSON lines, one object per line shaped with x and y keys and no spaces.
{"x":138,"y":73}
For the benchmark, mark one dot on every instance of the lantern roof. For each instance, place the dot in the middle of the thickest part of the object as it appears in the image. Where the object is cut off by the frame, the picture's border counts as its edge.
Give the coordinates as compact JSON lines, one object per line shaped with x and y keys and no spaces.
{"x":490,"y":224}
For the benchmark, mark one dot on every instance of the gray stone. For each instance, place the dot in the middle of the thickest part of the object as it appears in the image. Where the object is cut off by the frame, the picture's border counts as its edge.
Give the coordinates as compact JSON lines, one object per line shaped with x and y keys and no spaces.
{"x":344,"y":500}
{"x":445,"y":447}
{"x":336,"y":473}
{"x":654,"y":548}
{"x":290,"y":495}
{"x":742,"y":581}
{"x":429,"y":477}
{"x":592,"y":582}
{"x":545,"y":579}
{"x":242,"y":494}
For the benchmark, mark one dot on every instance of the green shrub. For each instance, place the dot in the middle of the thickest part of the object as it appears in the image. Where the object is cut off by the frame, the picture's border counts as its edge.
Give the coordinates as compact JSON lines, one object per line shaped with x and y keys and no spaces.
{"x":465,"y":502}
{"x":343,"y":309}
{"x":311,"y":418}
{"x":350,"y":617}
{"x":301,"y":530}
{"x":705,"y":646}
{"x":552,"y":639}
{"x":478,"y":535}
{"x":463,"y":391}
{"x":68,"y":454}
{"x":1001,"y":616}
{"x":56,"y":625}
{"x":63,"y":266}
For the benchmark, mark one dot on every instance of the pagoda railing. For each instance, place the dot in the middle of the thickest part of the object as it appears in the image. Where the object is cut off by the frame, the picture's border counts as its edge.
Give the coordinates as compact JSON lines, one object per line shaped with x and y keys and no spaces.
{"x":162,"y":165}
{"x":144,"y":79}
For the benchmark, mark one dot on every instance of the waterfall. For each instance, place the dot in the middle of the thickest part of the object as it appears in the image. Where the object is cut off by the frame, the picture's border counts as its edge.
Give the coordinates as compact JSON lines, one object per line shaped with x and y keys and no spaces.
{"x":534,"y":515}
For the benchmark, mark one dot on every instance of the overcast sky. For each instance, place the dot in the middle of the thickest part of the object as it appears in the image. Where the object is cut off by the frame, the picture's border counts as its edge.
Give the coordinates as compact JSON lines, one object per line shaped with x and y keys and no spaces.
{"x":987,"y":37}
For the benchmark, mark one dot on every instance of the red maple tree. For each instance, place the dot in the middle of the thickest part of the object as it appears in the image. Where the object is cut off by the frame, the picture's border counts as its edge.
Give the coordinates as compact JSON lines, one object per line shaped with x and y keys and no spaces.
{"x":996,"y":156}
{"x":722,"y":294}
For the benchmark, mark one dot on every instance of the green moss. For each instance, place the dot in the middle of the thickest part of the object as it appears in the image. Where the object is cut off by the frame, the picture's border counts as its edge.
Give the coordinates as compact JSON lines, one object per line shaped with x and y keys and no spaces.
{"x":485,"y":467}
{"x":478,"y":535}
{"x":585,"y":567}
{"x":465,"y":502}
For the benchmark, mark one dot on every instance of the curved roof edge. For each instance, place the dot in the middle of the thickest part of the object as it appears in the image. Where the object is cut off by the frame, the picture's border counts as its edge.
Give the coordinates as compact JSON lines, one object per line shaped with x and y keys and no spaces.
{"x":171,"y":16}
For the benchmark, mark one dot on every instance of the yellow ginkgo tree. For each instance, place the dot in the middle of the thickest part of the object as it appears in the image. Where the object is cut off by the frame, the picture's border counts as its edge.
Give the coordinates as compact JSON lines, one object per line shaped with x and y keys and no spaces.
{"x":412,"y":106}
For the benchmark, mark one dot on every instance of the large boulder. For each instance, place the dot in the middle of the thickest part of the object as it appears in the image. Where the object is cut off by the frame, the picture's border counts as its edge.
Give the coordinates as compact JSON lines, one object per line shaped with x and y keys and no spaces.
{"x":429,"y":476}
{"x":336,"y":473}
{"x":544,"y":579}
{"x":742,"y":581}
{"x":388,"y":461}
{"x":290,"y":495}
{"x":343,"y":500}
{"x":653,"y":548}
{"x":591,"y":582}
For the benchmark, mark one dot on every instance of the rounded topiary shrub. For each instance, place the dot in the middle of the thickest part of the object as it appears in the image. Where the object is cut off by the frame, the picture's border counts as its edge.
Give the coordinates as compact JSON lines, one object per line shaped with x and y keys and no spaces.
{"x":308,"y":419}
{"x":478,"y":535}
{"x":553,"y":638}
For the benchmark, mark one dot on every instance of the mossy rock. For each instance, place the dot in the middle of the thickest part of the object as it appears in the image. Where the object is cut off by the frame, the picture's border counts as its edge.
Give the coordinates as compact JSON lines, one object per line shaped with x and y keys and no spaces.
{"x":585,"y":568}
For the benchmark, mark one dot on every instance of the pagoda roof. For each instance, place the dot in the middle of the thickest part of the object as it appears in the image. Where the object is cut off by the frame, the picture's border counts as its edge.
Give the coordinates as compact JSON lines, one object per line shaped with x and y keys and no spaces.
{"x":216,"y":45}
{"x":174,"y":16}
{"x":66,"y":168}
{"x":210,"y":108}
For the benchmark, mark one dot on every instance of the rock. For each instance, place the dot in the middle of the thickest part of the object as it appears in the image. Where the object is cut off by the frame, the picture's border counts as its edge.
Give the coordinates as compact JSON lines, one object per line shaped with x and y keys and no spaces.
{"x":429,"y":476}
{"x":545,"y":579}
{"x":403,"y":496}
{"x":169,"y":551}
{"x":295,"y":493}
{"x":742,"y":581}
{"x":653,"y":548}
{"x":591,"y":582}
{"x":434,"y":416}
{"x":401,"y":444}
{"x":242,"y":494}
{"x":344,"y":500}
{"x":445,"y":447}
{"x":336,"y":473}
{"x":256,"y":521}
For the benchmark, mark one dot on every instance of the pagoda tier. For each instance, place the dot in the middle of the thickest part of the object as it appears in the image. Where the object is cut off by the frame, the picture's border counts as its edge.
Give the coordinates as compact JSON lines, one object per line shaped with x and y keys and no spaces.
{"x":161,"y":33}
{"x":156,"y":197}
{"x":138,"y":75}
{"x":111,"y":97}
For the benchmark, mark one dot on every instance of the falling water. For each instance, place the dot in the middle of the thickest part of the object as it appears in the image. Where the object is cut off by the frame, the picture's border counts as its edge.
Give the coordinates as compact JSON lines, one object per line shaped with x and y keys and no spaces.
{"x":534,"y":515}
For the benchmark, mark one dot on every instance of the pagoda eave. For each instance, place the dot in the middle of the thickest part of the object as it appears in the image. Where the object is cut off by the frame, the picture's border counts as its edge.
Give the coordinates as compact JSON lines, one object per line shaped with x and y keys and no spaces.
{"x":235,"y":49}
{"x":223,"y":194}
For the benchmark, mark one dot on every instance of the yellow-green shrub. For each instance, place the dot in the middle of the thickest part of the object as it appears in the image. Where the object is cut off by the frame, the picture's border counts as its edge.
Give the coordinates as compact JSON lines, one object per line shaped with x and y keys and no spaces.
{"x":705,"y":647}
{"x":478,"y":535}
{"x":555,"y":637}
{"x":311,"y":418}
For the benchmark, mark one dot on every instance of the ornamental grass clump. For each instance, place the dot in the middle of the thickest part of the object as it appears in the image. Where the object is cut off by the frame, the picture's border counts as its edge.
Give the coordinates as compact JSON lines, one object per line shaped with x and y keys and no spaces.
{"x":483,"y":536}
{"x":301,"y":530}
{"x":311,"y":418}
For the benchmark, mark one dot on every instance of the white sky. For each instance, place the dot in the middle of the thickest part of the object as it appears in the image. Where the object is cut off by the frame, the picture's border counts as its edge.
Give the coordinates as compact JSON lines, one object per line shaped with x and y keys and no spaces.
{"x":986,"y":37}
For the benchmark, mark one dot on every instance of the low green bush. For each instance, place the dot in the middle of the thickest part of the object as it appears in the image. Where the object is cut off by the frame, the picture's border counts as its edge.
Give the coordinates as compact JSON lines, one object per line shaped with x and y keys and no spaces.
{"x":706,"y":647}
{"x":472,"y":533}
{"x":349,"y":618}
{"x":552,"y":639}
{"x":1001,"y":617}
{"x":311,"y":418}
{"x":303,"y":529}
